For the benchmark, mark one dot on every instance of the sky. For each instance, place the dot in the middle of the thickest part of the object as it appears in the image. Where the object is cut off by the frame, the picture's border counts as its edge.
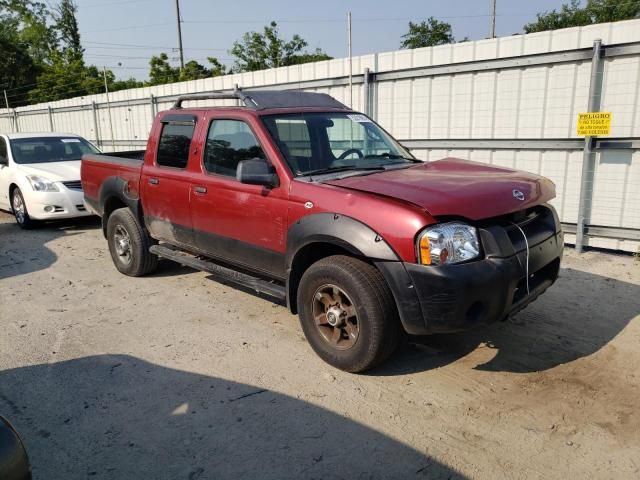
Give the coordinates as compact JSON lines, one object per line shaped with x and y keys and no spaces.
{"x":123,"y":35}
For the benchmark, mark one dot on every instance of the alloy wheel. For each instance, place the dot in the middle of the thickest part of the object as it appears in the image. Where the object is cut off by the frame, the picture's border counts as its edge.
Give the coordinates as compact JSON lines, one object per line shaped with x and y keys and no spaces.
{"x":335,"y":317}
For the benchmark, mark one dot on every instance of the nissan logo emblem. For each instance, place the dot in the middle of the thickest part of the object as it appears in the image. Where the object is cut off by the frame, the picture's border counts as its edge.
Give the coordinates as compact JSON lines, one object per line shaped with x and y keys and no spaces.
{"x":517,"y":194}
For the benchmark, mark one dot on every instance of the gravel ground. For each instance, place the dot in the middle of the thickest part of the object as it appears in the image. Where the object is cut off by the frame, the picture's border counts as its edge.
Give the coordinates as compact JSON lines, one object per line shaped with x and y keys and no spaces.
{"x":177,"y":376}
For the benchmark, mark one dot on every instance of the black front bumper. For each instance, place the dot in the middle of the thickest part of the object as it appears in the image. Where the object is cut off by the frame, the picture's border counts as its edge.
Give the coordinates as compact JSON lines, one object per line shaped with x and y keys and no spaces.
{"x":457,"y":297}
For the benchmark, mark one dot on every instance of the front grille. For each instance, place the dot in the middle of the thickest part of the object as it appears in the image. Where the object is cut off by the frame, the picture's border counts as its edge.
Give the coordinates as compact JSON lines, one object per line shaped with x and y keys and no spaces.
{"x":81,"y":208}
{"x":73,"y":185}
{"x":537,"y":223}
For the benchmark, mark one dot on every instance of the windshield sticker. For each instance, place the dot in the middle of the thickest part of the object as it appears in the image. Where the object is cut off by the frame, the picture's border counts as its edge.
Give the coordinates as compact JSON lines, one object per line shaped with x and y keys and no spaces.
{"x":357,"y":117}
{"x":70,"y":140}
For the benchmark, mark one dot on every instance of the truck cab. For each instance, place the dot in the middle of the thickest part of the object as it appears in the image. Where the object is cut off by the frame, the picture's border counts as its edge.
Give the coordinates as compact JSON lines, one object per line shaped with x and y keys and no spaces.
{"x":298,"y":197}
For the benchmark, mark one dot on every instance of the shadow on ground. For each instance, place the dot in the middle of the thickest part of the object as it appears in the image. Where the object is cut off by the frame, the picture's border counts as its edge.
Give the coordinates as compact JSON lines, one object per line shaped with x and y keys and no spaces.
{"x":16,"y":258}
{"x":117,"y":417}
{"x":575,"y":318}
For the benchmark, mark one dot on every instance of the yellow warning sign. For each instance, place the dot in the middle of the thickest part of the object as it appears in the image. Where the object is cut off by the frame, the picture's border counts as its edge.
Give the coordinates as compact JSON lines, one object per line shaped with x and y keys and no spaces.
{"x":594,"y":124}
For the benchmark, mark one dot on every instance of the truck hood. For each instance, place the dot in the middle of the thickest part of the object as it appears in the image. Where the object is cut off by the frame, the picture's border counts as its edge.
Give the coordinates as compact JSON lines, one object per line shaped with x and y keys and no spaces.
{"x":54,"y":171}
{"x":455,"y":187}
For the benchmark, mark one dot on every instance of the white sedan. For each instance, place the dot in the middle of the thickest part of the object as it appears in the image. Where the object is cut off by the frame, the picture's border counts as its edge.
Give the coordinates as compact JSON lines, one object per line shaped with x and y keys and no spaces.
{"x":40,"y":176}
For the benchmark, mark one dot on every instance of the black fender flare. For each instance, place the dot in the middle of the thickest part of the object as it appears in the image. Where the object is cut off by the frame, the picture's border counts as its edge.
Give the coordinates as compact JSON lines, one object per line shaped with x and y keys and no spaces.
{"x":331,"y":228}
{"x":118,"y":188}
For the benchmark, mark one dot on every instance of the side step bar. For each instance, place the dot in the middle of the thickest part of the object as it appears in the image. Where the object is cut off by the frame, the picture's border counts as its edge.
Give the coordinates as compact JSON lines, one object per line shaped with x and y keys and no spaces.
{"x":223,"y":273}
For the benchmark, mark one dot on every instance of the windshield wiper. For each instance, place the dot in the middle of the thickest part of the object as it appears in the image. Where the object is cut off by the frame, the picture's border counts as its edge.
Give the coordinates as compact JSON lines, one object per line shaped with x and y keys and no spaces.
{"x":346,"y":168}
{"x":393,"y":156}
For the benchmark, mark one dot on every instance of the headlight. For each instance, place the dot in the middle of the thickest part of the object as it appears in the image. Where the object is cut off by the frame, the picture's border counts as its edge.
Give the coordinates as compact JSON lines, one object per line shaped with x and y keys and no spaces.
{"x":41,"y":184}
{"x":447,"y":243}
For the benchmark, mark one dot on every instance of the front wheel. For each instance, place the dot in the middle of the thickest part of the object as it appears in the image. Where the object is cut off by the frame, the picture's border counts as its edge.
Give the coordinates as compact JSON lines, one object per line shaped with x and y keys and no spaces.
{"x":129,"y":244}
{"x":348,"y":313}
{"x":19,"y":207}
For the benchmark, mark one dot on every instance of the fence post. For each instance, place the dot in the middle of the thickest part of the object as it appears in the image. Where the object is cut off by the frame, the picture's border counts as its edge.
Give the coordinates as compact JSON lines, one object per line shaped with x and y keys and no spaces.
{"x":50,"y":118}
{"x":589,"y":155}
{"x":365,"y":93}
{"x":154,"y":107}
{"x":94,"y":107}
{"x":15,"y":120}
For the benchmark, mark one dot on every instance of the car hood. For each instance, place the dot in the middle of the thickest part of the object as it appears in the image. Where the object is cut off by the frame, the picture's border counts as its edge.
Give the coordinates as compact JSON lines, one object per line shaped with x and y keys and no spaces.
{"x":455,"y":187}
{"x":54,"y":171}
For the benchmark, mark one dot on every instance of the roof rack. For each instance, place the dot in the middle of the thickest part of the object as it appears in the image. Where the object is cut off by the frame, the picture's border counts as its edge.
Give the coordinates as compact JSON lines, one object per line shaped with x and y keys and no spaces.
{"x":236,"y":94}
{"x":263,"y":99}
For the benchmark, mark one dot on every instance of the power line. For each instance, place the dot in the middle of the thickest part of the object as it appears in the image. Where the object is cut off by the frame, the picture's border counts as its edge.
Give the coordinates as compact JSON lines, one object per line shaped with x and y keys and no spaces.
{"x":132,"y":27}
{"x":133,"y":45}
{"x":106,"y":4}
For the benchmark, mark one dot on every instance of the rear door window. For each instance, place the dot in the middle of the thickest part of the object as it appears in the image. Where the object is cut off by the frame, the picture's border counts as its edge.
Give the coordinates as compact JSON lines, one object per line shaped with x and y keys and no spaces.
{"x":174,"y":145}
{"x":229,"y":142}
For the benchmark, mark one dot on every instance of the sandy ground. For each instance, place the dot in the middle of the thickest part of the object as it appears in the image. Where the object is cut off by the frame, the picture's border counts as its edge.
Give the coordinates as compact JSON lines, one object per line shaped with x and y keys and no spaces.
{"x":177,"y":376}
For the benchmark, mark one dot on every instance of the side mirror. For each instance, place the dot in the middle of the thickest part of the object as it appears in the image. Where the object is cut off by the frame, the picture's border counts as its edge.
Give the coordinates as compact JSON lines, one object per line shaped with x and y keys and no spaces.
{"x":257,"y":171}
{"x":14,"y":463}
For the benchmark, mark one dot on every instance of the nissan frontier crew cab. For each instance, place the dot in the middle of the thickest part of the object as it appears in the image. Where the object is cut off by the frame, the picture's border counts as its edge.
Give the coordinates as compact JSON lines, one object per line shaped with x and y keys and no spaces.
{"x":297,"y":197}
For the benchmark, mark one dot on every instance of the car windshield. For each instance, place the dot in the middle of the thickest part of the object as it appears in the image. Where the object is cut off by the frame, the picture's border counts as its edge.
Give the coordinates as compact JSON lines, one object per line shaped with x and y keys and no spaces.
{"x":326,"y":142}
{"x":49,"y":149}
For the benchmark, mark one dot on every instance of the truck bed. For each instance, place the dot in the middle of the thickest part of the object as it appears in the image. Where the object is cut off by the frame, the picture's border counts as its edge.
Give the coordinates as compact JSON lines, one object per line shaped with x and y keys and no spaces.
{"x":96,"y":168}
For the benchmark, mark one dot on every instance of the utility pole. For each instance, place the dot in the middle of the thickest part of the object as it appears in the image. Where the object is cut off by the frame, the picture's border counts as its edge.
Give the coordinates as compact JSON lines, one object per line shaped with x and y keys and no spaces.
{"x":106,"y":90}
{"x":493,"y":20}
{"x":179,"y":34}
{"x":350,"y":60}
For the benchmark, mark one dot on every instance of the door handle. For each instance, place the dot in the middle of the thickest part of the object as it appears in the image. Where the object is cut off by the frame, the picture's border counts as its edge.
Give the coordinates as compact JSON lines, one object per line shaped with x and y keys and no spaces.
{"x":154,"y":181}
{"x":200,"y":189}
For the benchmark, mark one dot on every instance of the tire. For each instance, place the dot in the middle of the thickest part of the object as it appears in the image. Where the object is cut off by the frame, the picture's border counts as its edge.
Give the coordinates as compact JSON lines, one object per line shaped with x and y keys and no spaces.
{"x":129,"y":244}
{"x":361,"y":290}
{"x":20,"y":212}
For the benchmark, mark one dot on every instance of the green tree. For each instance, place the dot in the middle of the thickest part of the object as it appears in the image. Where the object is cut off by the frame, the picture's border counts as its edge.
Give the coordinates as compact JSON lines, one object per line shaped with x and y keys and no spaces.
{"x":427,"y":33}
{"x":28,"y":20}
{"x":217,"y":68}
{"x":574,"y":15}
{"x":67,"y":28}
{"x":161,"y":71}
{"x":17,"y":68}
{"x":193,"y":71}
{"x":260,"y":51}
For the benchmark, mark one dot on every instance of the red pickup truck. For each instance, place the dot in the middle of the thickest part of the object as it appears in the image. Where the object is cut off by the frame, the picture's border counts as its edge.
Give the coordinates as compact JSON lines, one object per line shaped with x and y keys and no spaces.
{"x":297,"y":197}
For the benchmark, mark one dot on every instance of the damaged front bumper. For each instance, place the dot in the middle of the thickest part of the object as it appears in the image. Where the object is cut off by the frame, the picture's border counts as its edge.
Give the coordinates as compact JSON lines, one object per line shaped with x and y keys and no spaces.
{"x":451,"y":298}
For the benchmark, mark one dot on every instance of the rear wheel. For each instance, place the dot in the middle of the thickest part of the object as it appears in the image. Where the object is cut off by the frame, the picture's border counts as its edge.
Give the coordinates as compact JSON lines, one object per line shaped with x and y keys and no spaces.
{"x":129,"y":244}
{"x":19,"y":207}
{"x":347,"y":313}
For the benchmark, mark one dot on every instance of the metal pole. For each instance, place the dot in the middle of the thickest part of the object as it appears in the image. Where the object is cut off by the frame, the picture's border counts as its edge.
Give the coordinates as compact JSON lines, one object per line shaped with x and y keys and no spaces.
{"x":15,"y":120}
{"x":350,"y":60}
{"x":106,"y":89}
{"x":94,"y":107}
{"x":179,"y":34}
{"x":493,"y":20}
{"x":50,"y":118}
{"x":6,"y":101}
{"x":152,"y":101}
{"x":589,"y":156}
{"x":365,"y":92}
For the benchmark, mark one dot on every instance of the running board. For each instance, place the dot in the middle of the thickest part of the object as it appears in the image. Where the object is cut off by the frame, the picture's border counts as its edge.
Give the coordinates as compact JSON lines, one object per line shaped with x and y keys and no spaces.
{"x":223,"y":273}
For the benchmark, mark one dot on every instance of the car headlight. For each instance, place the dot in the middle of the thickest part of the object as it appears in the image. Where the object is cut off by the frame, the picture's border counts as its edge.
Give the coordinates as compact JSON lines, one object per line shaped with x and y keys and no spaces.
{"x":447,"y":243}
{"x":41,"y":184}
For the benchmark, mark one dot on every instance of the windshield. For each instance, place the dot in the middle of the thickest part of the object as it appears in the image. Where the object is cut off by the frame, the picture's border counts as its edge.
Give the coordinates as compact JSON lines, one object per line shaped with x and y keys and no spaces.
{"x":49,"y":149}
{"x":314,"y":143}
